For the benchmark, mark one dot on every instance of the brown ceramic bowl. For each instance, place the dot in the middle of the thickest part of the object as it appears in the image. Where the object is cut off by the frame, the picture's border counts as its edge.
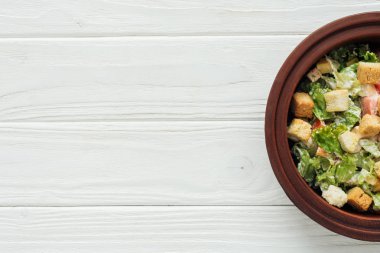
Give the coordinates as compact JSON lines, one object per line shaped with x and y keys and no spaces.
{"x":363,"y":27}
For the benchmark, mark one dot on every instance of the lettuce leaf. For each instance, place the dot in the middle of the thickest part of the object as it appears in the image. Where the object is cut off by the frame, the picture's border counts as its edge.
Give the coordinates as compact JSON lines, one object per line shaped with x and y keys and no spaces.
{"x":326,"y":178}
{"x":317,"y":170}
{"x":366,"y":177}
{"x":370,"y":146}
{"x":330,"y":81}
{"x":370,"y":57}
{"x":349,"y":52}
{"x":347,"y":79}
{"x":345,"y":172}
{"x":350,"y":117}
{"x":311,"y":148}
{"x":307,"y":166}
{"x":364,"y":161}
{"x":376,"y":201}
{"x":345,"y":169}
{"x":364,"y":180}
{"x":327,"y":137}
{"x":304,"y":85}
{"x":319,"y":109}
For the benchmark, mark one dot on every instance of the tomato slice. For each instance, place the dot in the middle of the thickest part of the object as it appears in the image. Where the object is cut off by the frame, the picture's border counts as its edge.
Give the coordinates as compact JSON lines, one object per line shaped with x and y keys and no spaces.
{"x":318,"y":123}
{"x":322,"y":152}
{"x":377,"y":87}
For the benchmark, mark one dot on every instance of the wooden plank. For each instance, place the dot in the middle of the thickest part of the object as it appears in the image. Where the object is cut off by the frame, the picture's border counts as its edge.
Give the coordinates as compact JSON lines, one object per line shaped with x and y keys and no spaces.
{"x":54,"y":18}
{"x":168,"y":229}
{"x":197,"y":78}
{"x":136,"y":163}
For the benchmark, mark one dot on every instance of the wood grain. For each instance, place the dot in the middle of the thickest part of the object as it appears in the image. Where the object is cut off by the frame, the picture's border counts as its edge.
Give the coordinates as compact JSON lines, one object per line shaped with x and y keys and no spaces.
{"x":136,"y":163}
{"x":168,"y":229}
{"x":55,"y":18}
{"x":121,"y":102}
{"x":198,"y":78}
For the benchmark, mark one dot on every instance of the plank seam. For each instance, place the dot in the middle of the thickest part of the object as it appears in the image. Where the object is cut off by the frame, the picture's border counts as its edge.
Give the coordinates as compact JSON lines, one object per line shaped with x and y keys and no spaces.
{"x":94,"y":206}
{"x":152,"y":36}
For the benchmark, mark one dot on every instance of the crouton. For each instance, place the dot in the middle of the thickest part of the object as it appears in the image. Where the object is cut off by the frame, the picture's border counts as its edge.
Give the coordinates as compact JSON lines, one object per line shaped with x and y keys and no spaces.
{"x":369,"y":72}
{"x":377,"y":169}
{"x":302,"y":105}
{"x":299,"y":130}
{"x":314,"y":74}
{"x":358,"y":199}
{"x":324,"y":66}
{"x":349,"y":142}
{"x":376,"y":186}
{"x":369,"y":125}
{"x":337,"y":100}
{"x":355,"y":130}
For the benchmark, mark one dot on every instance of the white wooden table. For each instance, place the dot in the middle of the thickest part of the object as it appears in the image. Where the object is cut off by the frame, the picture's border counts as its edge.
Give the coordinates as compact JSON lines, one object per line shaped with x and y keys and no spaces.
{"x":137,"y":126}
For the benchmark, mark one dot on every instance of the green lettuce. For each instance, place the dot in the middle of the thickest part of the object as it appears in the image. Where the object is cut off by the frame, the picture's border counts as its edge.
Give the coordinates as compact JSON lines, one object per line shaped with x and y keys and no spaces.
{"x":347,"y":79}
{"x":376,"y":201}
{"x":364,"y":161}
{"x":370,"y":57}
{"x":327,"y":137}
{"x":350,"y":117}
{"x":319,"y":109}
{"x":307,"y":166}
{"x":364,"y":180}
{"x":305,"y":85}
{"x":325,"y":163}
{"x":370,"y":146}
{"x":345,"y":169}
{"x":315,"y":169}
{"x":366,"y":177}
{"x":326,"y":178}
{"x":330,"y":81}
{"x":346,"y":53}
{"x":311,"y":148}
{"x":345,"y":172}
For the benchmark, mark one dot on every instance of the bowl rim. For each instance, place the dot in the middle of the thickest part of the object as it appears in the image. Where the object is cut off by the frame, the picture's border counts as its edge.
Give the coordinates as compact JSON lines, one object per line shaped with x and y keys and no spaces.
{"x":353,"y":28}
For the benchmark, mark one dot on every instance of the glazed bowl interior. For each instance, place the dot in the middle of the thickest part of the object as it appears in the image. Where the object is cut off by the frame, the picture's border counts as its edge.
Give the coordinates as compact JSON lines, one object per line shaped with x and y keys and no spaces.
{"x":361,"y":28}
